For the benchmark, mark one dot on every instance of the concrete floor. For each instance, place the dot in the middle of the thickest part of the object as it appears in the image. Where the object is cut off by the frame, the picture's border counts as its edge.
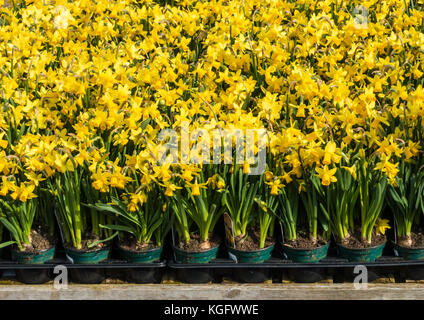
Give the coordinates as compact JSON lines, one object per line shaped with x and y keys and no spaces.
{"x":344,"y":291}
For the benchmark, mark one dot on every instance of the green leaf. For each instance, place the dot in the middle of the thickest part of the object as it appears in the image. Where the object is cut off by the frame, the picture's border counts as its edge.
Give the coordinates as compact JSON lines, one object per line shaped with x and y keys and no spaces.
{"x":8,"y":243}
{"x":95,"y":243}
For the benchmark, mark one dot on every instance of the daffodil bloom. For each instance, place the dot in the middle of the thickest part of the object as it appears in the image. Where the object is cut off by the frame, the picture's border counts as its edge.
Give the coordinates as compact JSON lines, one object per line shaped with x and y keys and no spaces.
{"x":220,"y":183}
{"x":326,"y":175}
{"x":6,"y":186}
{"x":195,"y":187}
{"x":330,"y":154}
{"x":163,"y":172}
{"x":88,"y":93}
{"x":3,"y":143}
{"x":187,"y":175}
{"x":275,"y":185}
{"x":268,"y":175}
{"x":246,"y":167}
{"x":351,"y":170}
{"x":170,"y":188}
{"x":23,"y":192}
{"x":382,"y":225}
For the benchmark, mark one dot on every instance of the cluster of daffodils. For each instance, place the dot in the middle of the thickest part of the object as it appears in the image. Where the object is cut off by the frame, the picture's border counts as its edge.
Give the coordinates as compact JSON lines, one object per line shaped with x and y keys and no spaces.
{"x":88,"y":89}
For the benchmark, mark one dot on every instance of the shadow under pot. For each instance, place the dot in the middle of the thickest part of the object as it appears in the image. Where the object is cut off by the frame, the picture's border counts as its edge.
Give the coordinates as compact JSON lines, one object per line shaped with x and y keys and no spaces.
{"x":252,"y":256}
{"x":409,"y":253}
{"x":87,"y":275}
{"x":369,"y":254}
{"x":313,"y":255}
{"x":33,"y":276}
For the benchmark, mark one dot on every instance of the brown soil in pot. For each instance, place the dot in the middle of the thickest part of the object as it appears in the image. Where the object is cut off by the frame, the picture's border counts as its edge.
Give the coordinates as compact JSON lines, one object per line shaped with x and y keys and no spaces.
{"x":415,"y":242}
{"x":40,"y":240}
{"x":131,"y":244}
{"x":251,"y":241}
{"x":303,"y":241}
{"x":195,"y":245}
{"x":355,"y":242}
{"x":86,"y":240}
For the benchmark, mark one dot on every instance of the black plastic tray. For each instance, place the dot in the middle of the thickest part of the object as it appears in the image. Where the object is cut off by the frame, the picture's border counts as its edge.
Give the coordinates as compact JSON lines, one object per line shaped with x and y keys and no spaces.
{"x":276,"y":269}
{"x":87,"y":273}
{"x":276,"y":263}
{"x":107,"y":264}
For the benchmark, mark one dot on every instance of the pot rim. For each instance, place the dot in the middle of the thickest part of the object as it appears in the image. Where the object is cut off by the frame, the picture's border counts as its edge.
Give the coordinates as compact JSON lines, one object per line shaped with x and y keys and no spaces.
{"x":251,"y":251}
{"x":88,"y":251}
{"x":359,"y":249}
{"x":298,"y":249}
{"x":186,"y":251}
{"x":32,"y":253}
{"x":140,"y":252}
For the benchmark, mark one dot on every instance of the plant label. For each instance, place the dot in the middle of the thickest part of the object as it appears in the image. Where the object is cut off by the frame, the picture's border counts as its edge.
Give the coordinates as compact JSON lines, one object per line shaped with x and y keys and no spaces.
{"x":173,"y":241}
{"x":229,"y":230}
{"x":282,"y":238}
{"x":70,"y":259}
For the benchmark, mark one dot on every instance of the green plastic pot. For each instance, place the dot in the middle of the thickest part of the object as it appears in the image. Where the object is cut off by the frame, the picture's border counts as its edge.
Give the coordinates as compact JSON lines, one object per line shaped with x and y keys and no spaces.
{"x":306,"y":255}
{"x":182,"y":256}
{"x":33,"y":257}
{"x":361,"y":255}
{"x":255,"y":256}
{"x":87,"y":257}
{"x":141,"y":256}
{"x":409,"y":253}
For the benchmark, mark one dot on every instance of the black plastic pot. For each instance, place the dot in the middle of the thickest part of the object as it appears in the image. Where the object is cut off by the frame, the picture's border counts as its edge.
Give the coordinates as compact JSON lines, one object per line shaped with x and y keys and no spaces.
{"x":36,"y":275}
{"x":195,"y":275}
{"x":87,"y":275}
{"x":414,"y":273}
{"x":258,"y":275}
{"x":33,"y":276}
{"x":144,"y":275}
{"x":310,"y":275}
